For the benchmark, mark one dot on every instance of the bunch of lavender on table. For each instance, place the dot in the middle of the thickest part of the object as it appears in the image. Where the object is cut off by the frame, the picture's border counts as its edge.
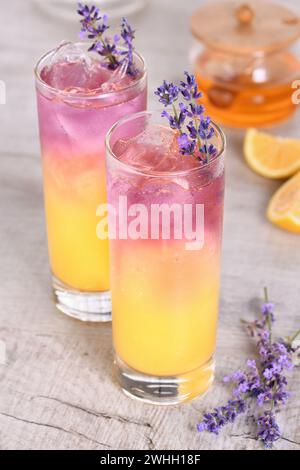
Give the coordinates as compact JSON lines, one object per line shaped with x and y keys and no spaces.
{"x":116,"y":50}
{"x":187,"y":117}
{"x":263,"y":382}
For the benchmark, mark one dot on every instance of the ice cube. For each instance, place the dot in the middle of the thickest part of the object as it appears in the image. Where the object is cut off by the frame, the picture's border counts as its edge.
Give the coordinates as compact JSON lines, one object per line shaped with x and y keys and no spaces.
{"x":131,"y":153}
{"x":155,"y":149}
{"x":70,"y":52}
{"x":73,"y":68}
{"x":66,"y":75}
{"x":144,"y":151}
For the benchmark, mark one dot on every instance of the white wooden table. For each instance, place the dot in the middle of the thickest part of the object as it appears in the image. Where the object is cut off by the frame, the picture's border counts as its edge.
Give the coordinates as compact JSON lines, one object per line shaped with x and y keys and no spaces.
{"x":56,"y":389}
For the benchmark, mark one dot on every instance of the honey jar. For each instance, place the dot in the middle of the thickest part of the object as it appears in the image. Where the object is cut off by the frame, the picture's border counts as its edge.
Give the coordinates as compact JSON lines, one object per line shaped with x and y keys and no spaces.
{"x":244,"y":61}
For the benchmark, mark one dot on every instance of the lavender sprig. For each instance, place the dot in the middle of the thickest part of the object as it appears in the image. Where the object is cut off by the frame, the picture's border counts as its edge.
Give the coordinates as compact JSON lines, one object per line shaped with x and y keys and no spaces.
{"x":94,"y":25}
{"x":267,"y":429}
{"x":194,"y":136}
{"x":128,"y":36}
{"x":263,"y":381}
{"x":220,"y":416}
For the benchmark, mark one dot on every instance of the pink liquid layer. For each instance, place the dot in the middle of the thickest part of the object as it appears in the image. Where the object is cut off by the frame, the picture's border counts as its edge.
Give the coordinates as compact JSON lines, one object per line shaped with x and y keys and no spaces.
{"x":165,"y":297}
{"x":156,"y":152}
{"x":72,"y":136}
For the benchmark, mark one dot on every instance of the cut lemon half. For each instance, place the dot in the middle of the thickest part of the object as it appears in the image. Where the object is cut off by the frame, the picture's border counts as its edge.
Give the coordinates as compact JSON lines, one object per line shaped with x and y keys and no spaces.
{"x":272,"y":157}
{"x":284,"y":207}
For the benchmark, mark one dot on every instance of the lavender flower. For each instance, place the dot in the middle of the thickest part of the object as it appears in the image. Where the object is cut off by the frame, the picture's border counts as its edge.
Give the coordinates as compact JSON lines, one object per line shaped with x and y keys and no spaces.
{"x":167,"y":93}
{"x":108,"y":50}
{"x":208,"y":150}
{"x":205,"y":130}
{"x":267,"y":429}
{"x":196,"y":110}
{"x":193,"y":136}
{"x":128,"y":35}
{"x":193,"y":132}
{"x":222,"y":415}
{"x":94,"y":25}
{"x":267,"y":310}
{"x":263,"y":380}
{"x":186,"y":145}
{"x":189,"y":88}
{"x":245,"y":382}
{"x":177,"y":120}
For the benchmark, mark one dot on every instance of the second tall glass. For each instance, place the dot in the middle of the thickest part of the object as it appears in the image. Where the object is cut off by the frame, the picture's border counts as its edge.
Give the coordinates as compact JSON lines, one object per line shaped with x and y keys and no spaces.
{"x":165,"y":232}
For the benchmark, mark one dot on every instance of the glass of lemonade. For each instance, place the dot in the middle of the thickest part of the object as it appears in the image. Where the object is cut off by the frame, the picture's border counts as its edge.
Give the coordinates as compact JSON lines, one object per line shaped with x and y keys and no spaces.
{"x":79,"y":99}
{"x":165,"y":230}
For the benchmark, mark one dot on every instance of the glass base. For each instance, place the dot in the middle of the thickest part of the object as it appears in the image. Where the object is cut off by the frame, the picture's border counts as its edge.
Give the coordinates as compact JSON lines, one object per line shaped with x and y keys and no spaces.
{"x":164,"y":390}
{"x":84,"y":306}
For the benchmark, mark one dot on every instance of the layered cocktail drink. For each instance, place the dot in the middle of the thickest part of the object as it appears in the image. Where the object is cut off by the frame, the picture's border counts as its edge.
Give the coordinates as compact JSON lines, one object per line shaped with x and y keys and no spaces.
{"x":79,"y":99}
{"x":165,"y":214}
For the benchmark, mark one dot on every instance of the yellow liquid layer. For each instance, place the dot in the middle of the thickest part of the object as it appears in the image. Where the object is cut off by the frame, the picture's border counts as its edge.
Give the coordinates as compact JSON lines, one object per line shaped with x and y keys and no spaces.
{"x":77,"y":257}
{"x":165,"y":306}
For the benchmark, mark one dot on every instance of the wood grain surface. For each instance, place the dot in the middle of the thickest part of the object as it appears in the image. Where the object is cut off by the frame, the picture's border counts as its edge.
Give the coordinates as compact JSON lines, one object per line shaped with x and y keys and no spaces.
{"x":56,"y":387}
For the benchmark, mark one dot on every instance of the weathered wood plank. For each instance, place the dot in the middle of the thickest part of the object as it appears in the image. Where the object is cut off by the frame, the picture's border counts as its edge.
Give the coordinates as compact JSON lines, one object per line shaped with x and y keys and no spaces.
{"x":57,"y":390}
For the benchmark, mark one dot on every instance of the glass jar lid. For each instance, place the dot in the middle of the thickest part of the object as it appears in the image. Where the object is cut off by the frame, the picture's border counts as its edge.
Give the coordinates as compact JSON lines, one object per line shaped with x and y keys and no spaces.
{"x":246,"y":27}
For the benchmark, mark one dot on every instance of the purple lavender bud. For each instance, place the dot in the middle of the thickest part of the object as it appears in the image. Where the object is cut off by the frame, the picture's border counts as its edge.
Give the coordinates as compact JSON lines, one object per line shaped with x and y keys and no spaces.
{"x":186,"y":146}
{"x":189,"y":89}
{"x":267,"y":429}
{"x":206,"y":131}
{"x":268,"y":374}
{"x":260,"y":399}
{"x":251,"y":363}
{"x":212,"y":150}
{"x":167,"y":93}
{"x":263,"y":351}
{"x":264,"y":335}
{"x":128,"y":36}
{"x":192,"y":130}
{"x":93,"y":26}
{"x":196,"y":110}
{"x":208,"y":151}
{"x":281,"y":397}
{"x":183,"y":109}
{"x":92,"y":23}
{"x":213,"y":422}
{"x":175,"y":122}
{"x":237,"y":376}
{"x":89,"y":13}
{"x":267,"y":308}
{"x":105,"y":49}
{"x":82,"y":34}
{"x":127,"y":33}
{"x":194,"y":135}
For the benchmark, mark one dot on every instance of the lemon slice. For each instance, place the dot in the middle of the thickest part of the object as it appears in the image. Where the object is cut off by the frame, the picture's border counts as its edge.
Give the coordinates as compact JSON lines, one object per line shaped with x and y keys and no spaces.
{"x":284,"y":207}
{"x":272,"y":157}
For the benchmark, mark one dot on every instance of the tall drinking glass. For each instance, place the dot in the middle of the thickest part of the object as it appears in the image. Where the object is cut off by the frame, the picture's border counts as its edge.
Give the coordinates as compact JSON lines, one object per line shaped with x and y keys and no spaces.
{"x":78,"y":101}
{"x":165,"y":229}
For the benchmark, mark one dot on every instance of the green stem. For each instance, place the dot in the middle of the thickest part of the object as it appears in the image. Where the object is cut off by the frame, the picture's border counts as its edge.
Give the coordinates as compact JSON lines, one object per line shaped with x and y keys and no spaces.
{"x":176,"y":115}
{"x":110,"y":56}
{"x":269,"y":321}
{"x":199,"y":143}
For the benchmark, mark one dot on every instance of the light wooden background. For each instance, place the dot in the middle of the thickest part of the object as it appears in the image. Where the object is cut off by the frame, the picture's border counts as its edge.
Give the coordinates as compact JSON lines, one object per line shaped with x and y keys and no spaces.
{"x":56,"y":389}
